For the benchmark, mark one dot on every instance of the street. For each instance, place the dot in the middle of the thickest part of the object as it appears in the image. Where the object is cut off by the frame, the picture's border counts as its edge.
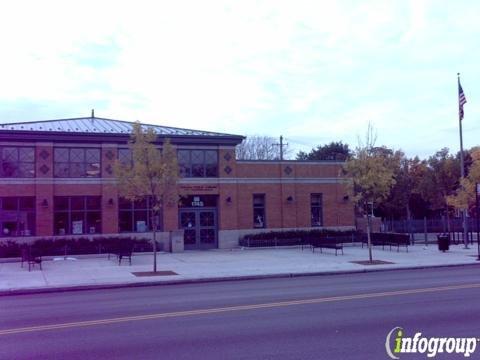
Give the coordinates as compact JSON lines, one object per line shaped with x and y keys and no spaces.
{"x":321,"y":317}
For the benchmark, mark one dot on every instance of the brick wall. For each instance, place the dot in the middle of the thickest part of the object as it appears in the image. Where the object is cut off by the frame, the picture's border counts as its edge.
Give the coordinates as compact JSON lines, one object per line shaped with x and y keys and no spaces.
{"x":235,"y":186}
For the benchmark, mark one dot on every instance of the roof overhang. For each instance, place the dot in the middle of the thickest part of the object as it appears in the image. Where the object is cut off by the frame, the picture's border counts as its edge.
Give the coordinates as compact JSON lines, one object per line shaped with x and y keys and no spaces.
{"x":50,"y":136}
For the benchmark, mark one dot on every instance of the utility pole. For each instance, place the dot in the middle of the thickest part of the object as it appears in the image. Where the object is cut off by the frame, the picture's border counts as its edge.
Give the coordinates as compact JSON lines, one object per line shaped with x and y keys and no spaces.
{"x":281,"y":144}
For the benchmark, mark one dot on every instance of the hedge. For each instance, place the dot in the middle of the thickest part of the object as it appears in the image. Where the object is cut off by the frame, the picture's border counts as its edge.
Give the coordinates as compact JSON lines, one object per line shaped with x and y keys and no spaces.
{"x":294,"y":237}
{"x":74,"y":246}
{"x":299,"y":237}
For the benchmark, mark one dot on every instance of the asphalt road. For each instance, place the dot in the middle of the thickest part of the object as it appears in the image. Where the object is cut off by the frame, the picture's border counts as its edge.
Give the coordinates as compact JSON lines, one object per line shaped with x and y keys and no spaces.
{"x":324,"y":317}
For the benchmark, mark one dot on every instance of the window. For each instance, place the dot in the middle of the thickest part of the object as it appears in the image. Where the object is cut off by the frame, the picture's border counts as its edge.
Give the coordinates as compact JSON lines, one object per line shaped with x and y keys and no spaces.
{"x":211,"y":164}
{"x":17,"y":216}
{"x":259,"y":211}
{"x":184,"y":163}
{"x":197,"y":158}
{"x":77,"y":162}
{"x":135,"y":216}
{"x":77,"y":215}
{"x":17,"y":162}
{"x":125,"y":156}
{"x":198,"y":163}
{"x":316,"y":209}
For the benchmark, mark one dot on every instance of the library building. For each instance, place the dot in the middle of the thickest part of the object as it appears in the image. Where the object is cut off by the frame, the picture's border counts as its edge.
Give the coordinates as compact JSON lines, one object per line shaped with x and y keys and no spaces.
{"x":57,"y":180}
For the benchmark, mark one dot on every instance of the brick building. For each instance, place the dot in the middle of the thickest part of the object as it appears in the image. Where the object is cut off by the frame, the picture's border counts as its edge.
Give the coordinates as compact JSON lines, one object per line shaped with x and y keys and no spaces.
{"x":56,"y":179}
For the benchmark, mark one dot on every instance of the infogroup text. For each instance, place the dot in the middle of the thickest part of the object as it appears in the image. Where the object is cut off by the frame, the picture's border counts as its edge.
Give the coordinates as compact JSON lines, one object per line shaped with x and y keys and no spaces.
{"x":397,"y":343}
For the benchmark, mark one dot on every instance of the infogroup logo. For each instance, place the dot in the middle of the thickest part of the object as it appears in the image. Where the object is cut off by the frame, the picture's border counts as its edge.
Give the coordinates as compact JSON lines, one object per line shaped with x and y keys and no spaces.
{"x":397,"y":343}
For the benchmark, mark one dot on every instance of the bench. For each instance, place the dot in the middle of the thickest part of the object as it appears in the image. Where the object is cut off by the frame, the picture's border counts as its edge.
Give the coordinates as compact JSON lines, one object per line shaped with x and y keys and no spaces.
{"x":335,"y":246}
{"x":273,"y":242}
{"x":124,"y":255}
{"x":31,"y":257}
{"x":124,"y":252}
{"x":397,"y":243}
{"x":306,"y":242}
{"x":388,"y":240}
{"x":326,"y":243}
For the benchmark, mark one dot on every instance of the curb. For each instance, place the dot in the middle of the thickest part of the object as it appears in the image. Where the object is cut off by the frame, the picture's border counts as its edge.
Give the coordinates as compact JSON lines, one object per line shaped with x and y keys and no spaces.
{"x":44,"y":290}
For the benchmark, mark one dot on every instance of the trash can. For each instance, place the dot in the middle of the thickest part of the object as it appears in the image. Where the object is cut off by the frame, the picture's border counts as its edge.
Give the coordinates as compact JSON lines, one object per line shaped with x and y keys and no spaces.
{"x":443,"y":242}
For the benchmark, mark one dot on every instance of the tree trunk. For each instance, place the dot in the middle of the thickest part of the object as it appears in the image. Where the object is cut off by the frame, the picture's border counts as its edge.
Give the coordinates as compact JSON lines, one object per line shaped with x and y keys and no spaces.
{"x":154,"y":245}
{"x":369,"y":239}
{"x":154,"y":250}
{"x":409,"y":223}
{"x":425,"y":230}
{"x":448,"y":223}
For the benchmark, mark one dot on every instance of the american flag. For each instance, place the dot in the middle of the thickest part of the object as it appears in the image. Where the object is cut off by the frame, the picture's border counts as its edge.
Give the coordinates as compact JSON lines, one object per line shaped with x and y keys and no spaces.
{"x":462,"y":100}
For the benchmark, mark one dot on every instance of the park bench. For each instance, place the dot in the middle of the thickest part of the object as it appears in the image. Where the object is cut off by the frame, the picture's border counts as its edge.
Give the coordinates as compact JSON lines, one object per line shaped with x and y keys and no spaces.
{"x":31,"y":257}
{"x":306,"y":242}
{"x":398,"y":241}
{"x":273,"y":242}
{"x":122,"y":249}
{"x":387,"y":239}
{"x":326,"y":243}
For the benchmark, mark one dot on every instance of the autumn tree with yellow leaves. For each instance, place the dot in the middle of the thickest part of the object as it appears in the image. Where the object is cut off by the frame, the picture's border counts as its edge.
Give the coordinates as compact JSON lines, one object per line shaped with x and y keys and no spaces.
{"x":371,"y":175}
{"x":152,"y":173}
{"x":464,"y":196}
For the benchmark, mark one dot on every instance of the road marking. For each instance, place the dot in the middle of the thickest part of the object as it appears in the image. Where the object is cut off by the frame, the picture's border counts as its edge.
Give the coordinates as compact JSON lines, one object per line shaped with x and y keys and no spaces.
{"x":234,"y":308}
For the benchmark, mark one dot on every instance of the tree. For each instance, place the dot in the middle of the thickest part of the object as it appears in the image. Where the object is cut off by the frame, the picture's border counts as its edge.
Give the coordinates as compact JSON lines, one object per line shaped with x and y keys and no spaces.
{"x":333,"y":151}
{"x":153,"y":173}
{"x":464,"y":197}
{"x":258,"y":147}
{"x":397,"y":203}
{"x":440,"y":180}
{"x":404,"y":198}
{"x":372,"y":177}
{"x":416,"y":171}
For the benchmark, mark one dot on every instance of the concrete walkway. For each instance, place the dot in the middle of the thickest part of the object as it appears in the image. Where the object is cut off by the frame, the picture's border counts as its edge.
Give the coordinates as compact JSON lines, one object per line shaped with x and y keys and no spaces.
{"x":193,"y":266}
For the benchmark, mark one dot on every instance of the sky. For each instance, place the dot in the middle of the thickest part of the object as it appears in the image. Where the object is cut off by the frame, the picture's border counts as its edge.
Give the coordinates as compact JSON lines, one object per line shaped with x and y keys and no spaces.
{"x":312,"y":71}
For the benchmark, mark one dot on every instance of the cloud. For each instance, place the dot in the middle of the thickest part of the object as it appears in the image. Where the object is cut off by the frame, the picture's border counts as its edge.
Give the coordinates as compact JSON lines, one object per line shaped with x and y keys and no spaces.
{"x":312,"y":70}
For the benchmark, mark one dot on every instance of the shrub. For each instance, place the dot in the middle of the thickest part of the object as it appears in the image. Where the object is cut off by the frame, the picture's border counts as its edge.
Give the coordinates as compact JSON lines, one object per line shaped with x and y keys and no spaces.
{"x":76,"y":246}
{"x":285,"y":238}
{"x":10,"y":249}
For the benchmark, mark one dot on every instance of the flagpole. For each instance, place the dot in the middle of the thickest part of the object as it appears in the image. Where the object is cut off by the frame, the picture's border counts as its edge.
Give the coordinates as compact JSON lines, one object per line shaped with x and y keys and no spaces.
{"x":462,"y":167}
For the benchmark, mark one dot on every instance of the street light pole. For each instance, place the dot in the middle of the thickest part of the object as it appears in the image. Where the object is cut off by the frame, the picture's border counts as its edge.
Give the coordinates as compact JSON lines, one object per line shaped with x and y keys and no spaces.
{"x":477,"y":191}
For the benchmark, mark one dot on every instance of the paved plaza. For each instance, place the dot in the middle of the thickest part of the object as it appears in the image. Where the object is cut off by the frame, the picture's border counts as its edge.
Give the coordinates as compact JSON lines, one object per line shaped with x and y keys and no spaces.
{"x":190,"y":266}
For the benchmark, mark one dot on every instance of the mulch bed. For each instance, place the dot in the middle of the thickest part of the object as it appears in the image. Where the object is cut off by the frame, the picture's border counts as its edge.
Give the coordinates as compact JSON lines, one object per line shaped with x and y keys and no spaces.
{"x":151,"y":273}
{"x":374,"y":262}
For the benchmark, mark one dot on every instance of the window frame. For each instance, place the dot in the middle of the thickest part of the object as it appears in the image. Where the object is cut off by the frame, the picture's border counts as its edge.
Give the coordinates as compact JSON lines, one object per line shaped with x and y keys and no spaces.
{"x":21,"y":211}
{"x":124,"y":163}
{"x":203,"y":169}
{"x":18,"y":162}
{"x":70,"y":163}
{"x":259,"y":208}
{"x":316,"y":206}
{"x":71,"y":213}
{"x":133,"y":210}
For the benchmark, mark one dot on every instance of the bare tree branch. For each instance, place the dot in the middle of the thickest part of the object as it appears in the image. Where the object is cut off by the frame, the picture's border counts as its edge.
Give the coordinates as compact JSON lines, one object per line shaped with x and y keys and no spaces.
{"x":259,"y":147}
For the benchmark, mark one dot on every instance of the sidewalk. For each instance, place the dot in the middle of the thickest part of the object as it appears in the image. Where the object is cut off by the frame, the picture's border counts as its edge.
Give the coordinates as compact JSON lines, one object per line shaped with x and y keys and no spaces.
{"x":194,"y":266}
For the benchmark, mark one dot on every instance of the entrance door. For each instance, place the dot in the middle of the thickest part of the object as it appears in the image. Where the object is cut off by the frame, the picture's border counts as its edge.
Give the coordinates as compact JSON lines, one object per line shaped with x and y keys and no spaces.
{"x":200,"y":228}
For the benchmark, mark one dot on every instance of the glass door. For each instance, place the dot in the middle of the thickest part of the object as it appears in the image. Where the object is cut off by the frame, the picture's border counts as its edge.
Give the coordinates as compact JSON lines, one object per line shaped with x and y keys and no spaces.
{"x":208,"y":229}
{"x":188,"y":224}
{"x":200,"y":228}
